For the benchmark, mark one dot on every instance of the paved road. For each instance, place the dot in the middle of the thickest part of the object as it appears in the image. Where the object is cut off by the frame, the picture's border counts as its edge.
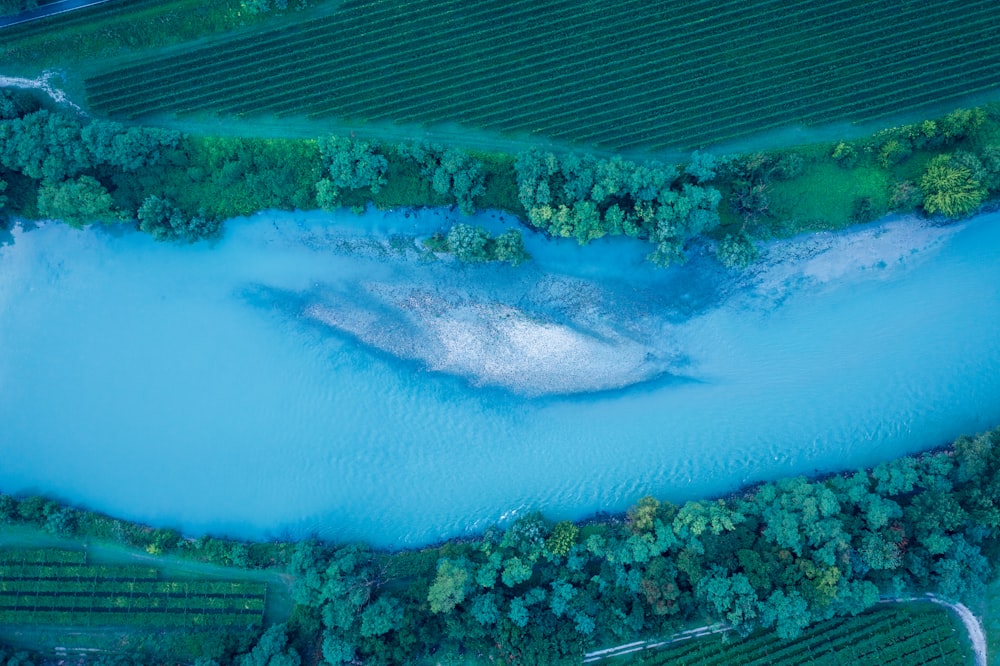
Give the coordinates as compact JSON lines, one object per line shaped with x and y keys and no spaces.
{"x":47,"y":10}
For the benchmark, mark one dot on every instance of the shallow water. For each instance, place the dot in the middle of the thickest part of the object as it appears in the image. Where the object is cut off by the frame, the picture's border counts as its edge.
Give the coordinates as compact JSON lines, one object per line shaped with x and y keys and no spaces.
{"x":318,"y":373}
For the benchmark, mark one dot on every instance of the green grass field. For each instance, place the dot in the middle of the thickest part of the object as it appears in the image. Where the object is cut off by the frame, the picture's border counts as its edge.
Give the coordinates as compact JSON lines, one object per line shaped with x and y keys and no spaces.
{"x":897,"y":635}
{"x":617,"y":75}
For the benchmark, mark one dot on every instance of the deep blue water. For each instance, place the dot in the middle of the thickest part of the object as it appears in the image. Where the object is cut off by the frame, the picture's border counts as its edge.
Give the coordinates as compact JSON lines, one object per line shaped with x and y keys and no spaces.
{"x":309,"y":373}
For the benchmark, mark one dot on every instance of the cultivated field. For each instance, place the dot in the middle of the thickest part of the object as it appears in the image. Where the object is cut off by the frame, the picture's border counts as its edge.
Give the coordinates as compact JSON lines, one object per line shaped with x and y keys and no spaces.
{"x":612,"y":73}
{"x":55,"y":587}
{"x":900,"y":635}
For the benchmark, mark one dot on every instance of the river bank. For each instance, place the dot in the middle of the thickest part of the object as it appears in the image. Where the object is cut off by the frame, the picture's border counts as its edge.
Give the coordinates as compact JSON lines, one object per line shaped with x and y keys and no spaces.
{"x":285,"y":421}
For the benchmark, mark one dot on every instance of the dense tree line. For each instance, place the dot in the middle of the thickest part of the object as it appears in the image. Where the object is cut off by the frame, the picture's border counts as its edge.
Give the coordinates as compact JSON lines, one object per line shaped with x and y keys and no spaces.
{"x":82,"y":172}
{"x":584,"y":197}
{"x":781,"y":555}
{"x":179,"y":187}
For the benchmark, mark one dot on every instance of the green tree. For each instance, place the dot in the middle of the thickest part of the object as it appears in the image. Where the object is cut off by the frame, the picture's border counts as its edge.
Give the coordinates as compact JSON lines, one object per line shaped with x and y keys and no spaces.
{"x":950,"y":188}
{"x":702,"y":167}
{"x":159,"y":217}
{"x":485,"y":610}
{"x":509,"y":248}
{"x":77,"y":202}
{"x":469,"y":243}
{"x":351,"y":164}
{"x":271,"y":650}
{"x":515,"y":571}
{"x":380,"y":617}
{"x":127,"y":149}
{"x":731,"y":597}
{"x":737,"y":250}
{"x":337,"y":651}
{"x":788,"y":613}
{"x":450,"y":586}
{"x":562,"y":539}
{"x":43,"y":146}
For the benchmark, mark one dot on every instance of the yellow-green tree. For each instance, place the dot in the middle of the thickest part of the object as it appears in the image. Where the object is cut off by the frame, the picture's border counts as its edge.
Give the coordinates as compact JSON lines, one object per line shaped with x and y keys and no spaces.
{"x":950,"y":188}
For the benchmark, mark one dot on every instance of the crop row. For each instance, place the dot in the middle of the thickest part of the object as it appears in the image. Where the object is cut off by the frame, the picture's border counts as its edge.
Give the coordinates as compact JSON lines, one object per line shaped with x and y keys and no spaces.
{"x":159,"y":619}
{"x":958,"y":82}
{"x":332,"y":32}
{"x":333,"y":55}
{"x":626,"y":55}
{"x":891,"y":638}
{"x":750,"y":81}
{"x":209,"y":72}
{"x":252,"y":90}
{"x":758,"y":91}
{"x":428,"y":95}
{"x":181,"y":589}
{"x":50,"y":556}
{"x":140,"y":602}
{"x":401,"y":25}
{"x":618,"y":117}
{"x":28,"y":571}
{"x":713,"y":119}
{"x":623,"y":87}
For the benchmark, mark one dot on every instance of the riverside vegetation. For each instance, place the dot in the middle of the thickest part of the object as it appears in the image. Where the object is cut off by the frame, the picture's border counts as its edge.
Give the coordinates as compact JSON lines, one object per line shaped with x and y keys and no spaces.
{"x":780,"y":556}
{"x":180,"y":187}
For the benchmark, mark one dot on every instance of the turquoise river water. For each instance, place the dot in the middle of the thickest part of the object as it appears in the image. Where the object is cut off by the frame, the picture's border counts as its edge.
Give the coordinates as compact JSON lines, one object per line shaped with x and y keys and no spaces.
{"x":319,"y":373}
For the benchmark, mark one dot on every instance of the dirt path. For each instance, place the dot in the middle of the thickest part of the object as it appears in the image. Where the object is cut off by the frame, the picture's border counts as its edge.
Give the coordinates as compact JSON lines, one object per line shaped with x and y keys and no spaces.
{"x":972,"y":625}
{"x":43,"y":83}
{"x":629,"y":648}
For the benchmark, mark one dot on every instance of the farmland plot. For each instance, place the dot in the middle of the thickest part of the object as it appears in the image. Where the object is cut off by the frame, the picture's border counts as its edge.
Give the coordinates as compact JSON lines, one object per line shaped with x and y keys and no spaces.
{"x":902,"y":635}
{"x":616,"y":74}
{"x":55,"y":587}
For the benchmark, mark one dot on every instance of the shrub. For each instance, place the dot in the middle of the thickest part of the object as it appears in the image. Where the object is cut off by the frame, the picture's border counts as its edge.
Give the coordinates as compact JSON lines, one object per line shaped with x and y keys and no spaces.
{"x":845,"y":154}
{"x":990,"y":158}
{"x":737,"y":250}
{"x":906,"y":196}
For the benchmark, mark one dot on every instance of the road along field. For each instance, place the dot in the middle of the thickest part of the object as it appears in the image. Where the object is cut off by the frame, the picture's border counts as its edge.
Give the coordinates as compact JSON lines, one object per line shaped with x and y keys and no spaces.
{"x":616,"y":74}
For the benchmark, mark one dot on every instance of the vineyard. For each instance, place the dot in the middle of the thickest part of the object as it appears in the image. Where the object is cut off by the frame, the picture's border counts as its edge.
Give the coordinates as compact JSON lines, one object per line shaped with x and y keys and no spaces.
{"x":611,"y":73}
{"x":903,"y":635}
{"x":54,"y":587}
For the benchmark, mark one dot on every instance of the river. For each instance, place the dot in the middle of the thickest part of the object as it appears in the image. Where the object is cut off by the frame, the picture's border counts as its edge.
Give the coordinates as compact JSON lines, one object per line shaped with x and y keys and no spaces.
{"x":317,"y":373}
